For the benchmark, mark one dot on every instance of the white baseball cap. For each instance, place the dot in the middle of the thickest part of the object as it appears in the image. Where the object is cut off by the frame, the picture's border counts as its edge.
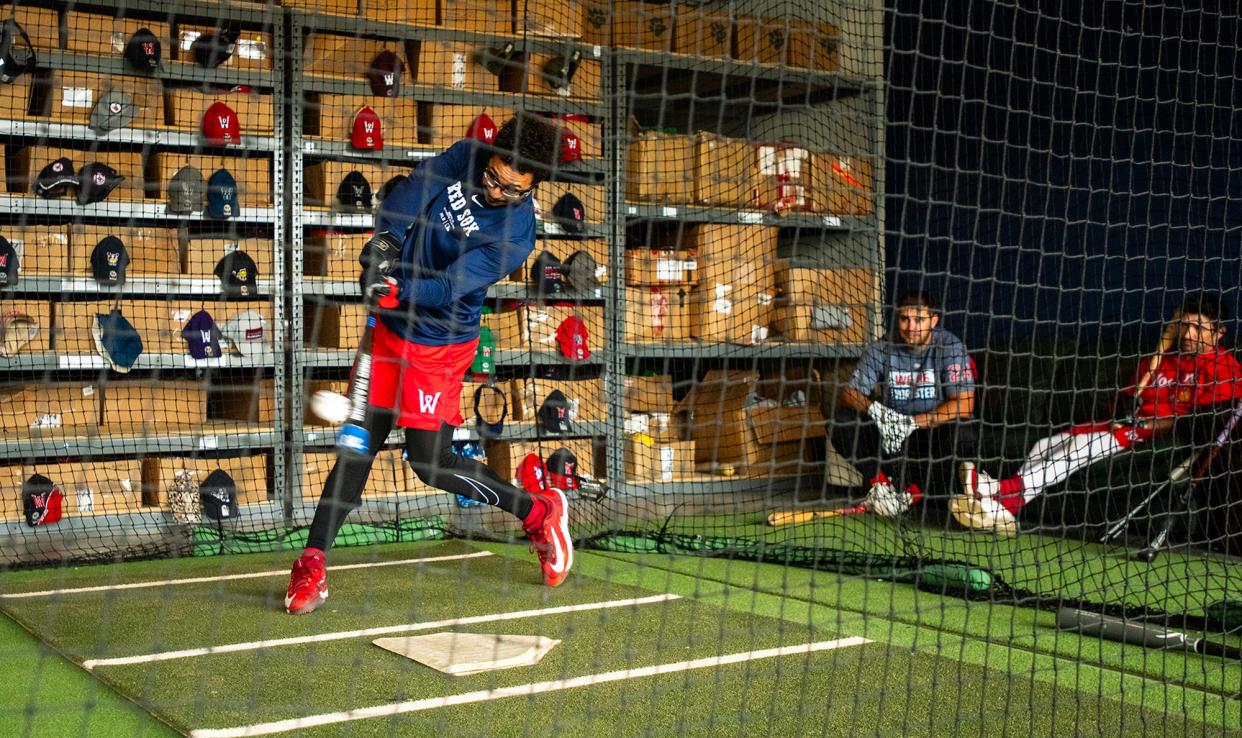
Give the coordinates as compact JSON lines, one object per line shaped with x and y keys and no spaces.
{"x":246,"y":333}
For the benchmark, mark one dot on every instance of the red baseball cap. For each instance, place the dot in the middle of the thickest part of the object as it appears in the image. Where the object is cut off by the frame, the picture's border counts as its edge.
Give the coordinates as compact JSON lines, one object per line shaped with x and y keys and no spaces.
{"x":571,"y":337}
{"x":571,"y":147}
{"x":482,"y":128}
{"x":532,"y":474}
{"x":368,"y":130}
{"x":220,"y":125}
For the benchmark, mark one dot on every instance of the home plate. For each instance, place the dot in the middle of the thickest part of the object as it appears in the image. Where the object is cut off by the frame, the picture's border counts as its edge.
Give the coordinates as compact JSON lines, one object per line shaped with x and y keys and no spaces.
{"x":460,"y":654}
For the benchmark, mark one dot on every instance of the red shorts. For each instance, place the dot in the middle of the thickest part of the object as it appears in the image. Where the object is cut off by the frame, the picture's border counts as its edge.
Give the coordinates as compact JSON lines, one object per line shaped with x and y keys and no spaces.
{"x":427,"y":379}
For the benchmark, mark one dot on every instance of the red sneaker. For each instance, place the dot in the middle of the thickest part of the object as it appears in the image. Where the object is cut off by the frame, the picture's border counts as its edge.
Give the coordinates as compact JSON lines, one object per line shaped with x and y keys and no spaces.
{"x":308,"y":584}
{"x":549,"y":538}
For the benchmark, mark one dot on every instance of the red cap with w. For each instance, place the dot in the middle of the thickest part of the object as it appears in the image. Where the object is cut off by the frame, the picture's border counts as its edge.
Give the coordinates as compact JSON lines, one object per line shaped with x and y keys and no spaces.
{"x":220,"y":125}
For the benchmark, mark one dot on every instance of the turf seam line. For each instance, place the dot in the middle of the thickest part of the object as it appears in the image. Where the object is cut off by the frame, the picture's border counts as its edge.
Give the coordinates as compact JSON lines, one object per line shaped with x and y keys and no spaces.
{"x":91,"y":664}
{"x":523,"y":690}
{"x":231,"y":577}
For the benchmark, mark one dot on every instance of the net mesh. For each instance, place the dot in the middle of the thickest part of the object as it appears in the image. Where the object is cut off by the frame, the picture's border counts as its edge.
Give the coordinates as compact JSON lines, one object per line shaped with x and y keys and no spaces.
{"x":741,"y":193}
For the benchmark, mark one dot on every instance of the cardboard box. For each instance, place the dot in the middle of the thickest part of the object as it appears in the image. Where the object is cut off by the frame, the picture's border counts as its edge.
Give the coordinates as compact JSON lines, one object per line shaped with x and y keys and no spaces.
{"x":480,"y":16}
{"x":40,"y":311}
{"x":504,"y":457}
{"x":152,"y":251}
{"x":252,"y":173}
{"x":347,"y":57}
{"x":202,"y":255}
{"x":441,"y":125}
{"x":159,"y":322}
{"x":17,"y":97}
{"x":42,"y":25}
{"x":332,"y":117}
{"x":642,"y":25}
{"x":49,"y":406}
{"x":70,"y":97}
{"x":731,"y":314}
{"x":596,"y":23}
{"x":562,"y":249}
{"x":106,"y":35}
{"x":184,"y":109}
{"x":723,"y":170}
{"x":506,"y":328}
{"x":660,"y":168}
{"x":658,"y":268}
{"x":843,"y":184}
{"x":333,"y":7}
{"x":557,"y":18}
{"x":528,"y":77}
{"x":787,"y":42}
{"x":647,"y":461}
{"x":829,"y":306}
{"x":41,"y":249}
{"x":251,"y":402}
{"x":89,"y":487}
{"x":702,"y":32}
{"x":451,"y":65}
{"x":332,"y":254}
{"x":391,"y":476}
{"x":648,"y":394}
{"x":783,"y":180}
{"x":254,"y":50}
{"x":594,"y":199}
{"x":585,"y":396}
{"x":309,"y":417}
{"x":408,"y":12}
{"x":657,"y":314}
{"x":723,"y":241}
{"x":23,"y":164}
{"x":334,"y":325}
{"x":153,"y":406}
{"x":717,"y":276}
{"x":251,"y":476}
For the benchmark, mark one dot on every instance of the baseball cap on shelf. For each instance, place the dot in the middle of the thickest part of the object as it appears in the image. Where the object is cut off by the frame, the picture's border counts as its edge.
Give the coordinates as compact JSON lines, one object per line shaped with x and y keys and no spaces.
{"x":117,"y":340}
{"x":570,"y":214}
{"x":546,"y":276}
{"x":238,"y":274}
{"x":16,"y":330}
{"x":354,"y":193}
{"x":571,"y":339}
{"x":143,"y":51}
{"x":219,"y":495}
{"x":56,"y":178}
{"x":384,"y":74}
{"x":213,"y":49}
{"x":108,"y":260}
{"x":246,"y":333}
{"x":41,"y":501}
{"x":485,"y":353}
{"x":186,"y":190}
{"x":563,"y":469}
{"x":9,"y":267}
{"x":222,"y":195}
{"x":491,"y":409}
{"x":532,"y":474}
{"x":115,"y":109}
{"x":554,"y":413}
{"x":571,"y":146}
{"x":96,"y":181}
{"x":482,"y":128}
{"x":221,"y":126}
{"x":202,"y":335}
{"x":368,"y":130}
{"x":581,"y":271}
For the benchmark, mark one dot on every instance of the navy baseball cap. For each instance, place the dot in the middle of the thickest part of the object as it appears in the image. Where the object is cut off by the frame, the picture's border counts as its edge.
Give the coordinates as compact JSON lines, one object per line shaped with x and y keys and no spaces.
{"x":96,"y":181}
{"x":117,"y":340}
{"x":491,"y":409}
{"x":563,"y":469}
{"x":238,"y":274}
{"x":143,"y":51}
{"x":546,"y":275}
{"x":202,"y":335}
{"x":222,"y":195}
{"x":219,"y":495}
{"x":570,"y":214}
{"x":354,"y":193}
{"x":8,"y":263}
{"x":554,"y":413}
{"x":56,"y":178}
{"x":108,"y":260}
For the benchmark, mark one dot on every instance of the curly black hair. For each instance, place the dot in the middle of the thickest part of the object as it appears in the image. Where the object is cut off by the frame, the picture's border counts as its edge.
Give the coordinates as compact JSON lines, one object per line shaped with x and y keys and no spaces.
{"x":530,"y":144}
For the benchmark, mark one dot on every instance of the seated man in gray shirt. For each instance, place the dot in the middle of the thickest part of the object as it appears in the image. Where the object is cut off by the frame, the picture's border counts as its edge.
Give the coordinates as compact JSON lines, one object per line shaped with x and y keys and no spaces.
{"x":906,"y":440}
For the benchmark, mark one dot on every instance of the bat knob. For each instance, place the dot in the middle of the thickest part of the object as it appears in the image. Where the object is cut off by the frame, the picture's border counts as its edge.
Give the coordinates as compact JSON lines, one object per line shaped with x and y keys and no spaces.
{"x":1147,"y":555}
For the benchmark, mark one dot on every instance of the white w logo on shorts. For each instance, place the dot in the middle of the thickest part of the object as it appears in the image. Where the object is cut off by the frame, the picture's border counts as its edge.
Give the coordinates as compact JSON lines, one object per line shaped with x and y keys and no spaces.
{"x":427,"y":403}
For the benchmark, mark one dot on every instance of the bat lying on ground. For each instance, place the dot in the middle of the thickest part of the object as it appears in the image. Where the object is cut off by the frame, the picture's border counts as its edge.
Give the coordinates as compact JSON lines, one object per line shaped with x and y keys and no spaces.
{"x":794,"y":517}
{"x":1139,"y":633}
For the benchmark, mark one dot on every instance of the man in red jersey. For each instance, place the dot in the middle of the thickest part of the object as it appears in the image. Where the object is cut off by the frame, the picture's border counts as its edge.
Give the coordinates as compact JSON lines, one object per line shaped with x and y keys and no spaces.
{"x":1190,"y":372}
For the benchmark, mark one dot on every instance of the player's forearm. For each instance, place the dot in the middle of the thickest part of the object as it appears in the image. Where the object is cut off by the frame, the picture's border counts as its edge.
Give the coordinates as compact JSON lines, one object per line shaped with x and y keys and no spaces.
{"x":952,"y":410}
{"x":855,"y":400}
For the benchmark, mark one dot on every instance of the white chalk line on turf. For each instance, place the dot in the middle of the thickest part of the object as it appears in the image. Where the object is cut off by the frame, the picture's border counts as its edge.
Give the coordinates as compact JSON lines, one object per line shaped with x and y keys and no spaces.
{"x":229,"y":577}
{"x":521,"y":690}
{"x":90,"y":664}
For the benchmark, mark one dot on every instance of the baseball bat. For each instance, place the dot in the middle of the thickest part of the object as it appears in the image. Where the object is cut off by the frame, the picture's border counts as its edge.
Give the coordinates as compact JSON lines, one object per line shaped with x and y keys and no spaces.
{"x":1175,"y":476}
{"x":794,"y":517}
{"x":1138,"y":633}
{"x":354,"y":436}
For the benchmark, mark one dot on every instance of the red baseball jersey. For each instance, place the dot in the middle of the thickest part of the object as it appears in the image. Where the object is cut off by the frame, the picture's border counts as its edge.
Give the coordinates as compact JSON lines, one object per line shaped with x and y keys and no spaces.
{"x":1186,"y":381}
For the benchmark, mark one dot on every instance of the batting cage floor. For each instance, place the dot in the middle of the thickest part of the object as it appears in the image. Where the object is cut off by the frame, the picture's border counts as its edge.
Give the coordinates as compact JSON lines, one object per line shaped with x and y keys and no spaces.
{"x":652,"y":644}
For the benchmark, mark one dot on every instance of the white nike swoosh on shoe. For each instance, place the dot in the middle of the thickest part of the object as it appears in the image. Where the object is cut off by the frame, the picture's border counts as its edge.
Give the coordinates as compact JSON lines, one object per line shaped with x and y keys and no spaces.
{"x":563,"y":556}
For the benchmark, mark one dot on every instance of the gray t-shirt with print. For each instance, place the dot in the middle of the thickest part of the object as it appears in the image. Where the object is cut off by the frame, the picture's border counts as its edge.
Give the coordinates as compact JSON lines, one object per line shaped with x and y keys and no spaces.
{"x":915,"y":379}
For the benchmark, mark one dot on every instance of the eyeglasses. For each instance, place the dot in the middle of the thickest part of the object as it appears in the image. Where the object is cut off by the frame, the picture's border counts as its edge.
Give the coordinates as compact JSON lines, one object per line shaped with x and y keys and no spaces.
{"x":509,"y":192}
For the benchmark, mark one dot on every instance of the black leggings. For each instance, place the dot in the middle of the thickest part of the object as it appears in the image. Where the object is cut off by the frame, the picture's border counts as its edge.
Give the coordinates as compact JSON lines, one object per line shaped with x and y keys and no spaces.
{"x":431,"y":456}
